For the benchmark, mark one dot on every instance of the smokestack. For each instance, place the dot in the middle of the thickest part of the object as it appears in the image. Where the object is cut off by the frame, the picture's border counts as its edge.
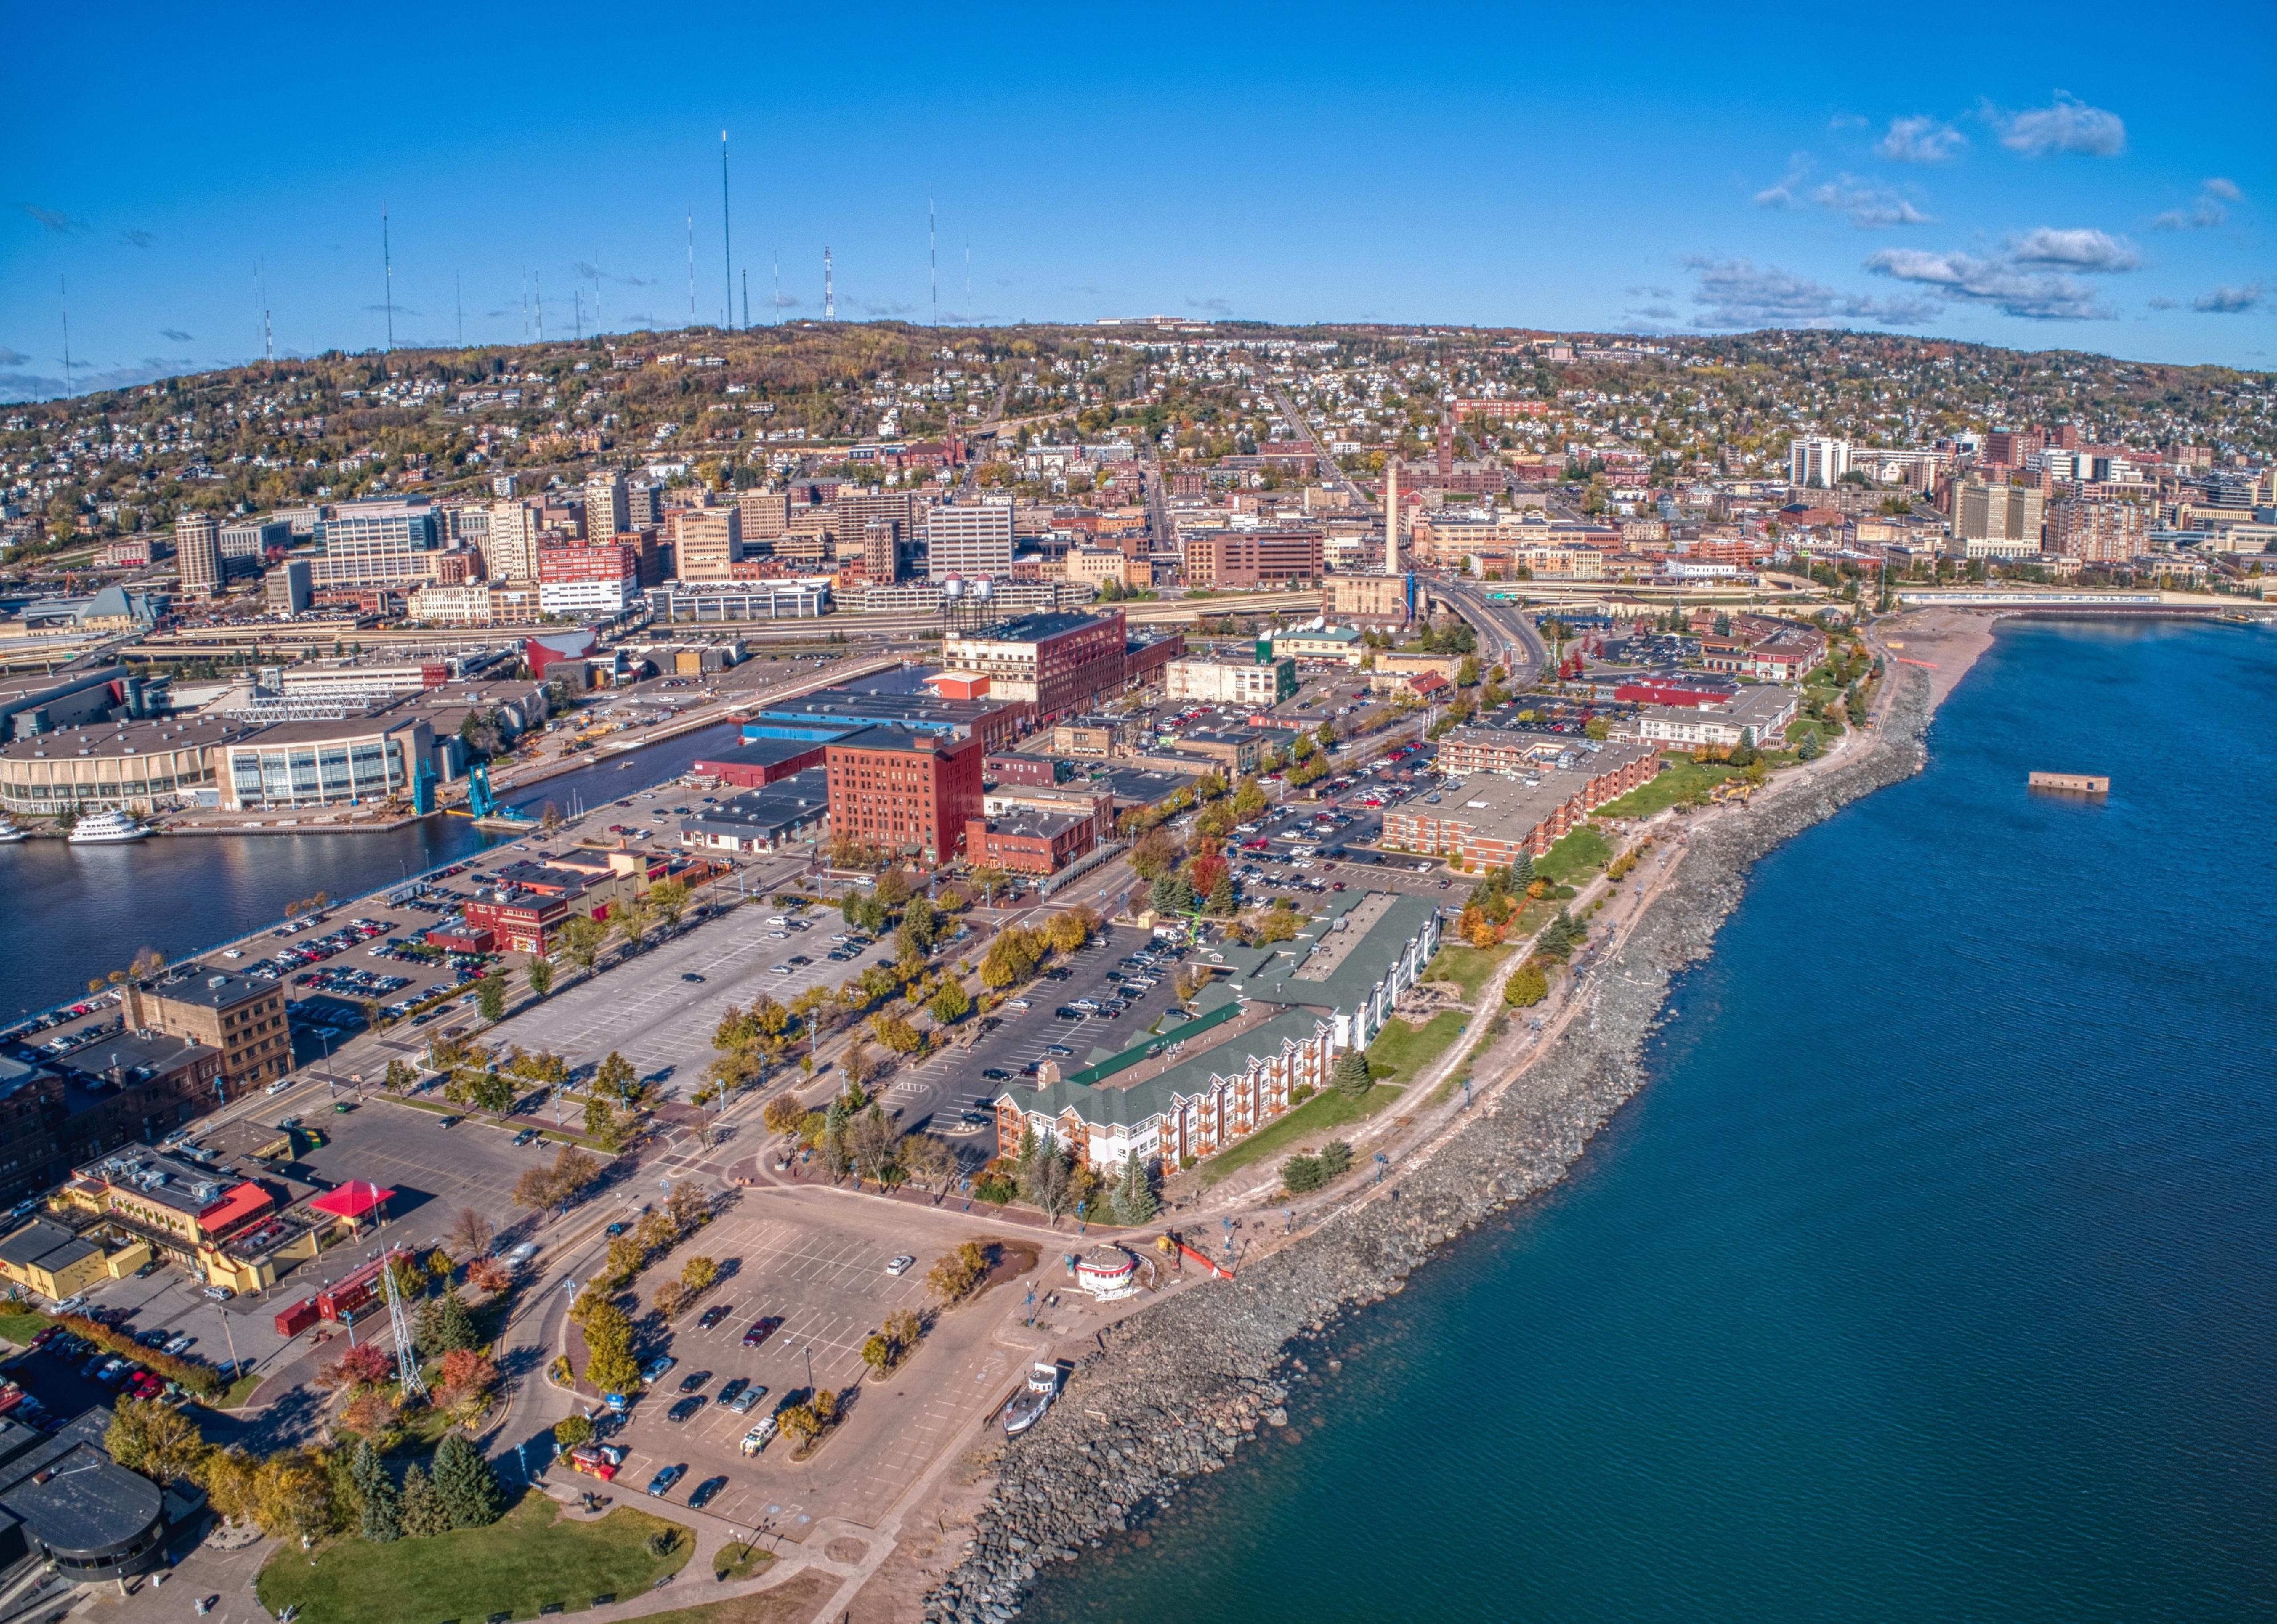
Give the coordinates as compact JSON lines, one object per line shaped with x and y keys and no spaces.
{"x":1391,"y":516}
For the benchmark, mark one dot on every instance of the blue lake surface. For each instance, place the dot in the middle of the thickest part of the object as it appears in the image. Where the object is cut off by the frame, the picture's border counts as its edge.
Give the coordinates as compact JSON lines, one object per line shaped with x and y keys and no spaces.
{"x":1933,"y":1275}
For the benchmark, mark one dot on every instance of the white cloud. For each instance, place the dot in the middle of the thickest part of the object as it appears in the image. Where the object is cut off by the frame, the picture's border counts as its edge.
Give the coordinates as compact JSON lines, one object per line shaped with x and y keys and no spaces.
{"x":2036,"y":295}
{"x":174,"y":334}
{"x":1920,"y":140}
{"x":1867,"y":206}
{"x":1736,"y":293}
{"x":2066,"y":125}
{"x":2075,"y":249}
{"x":2228,"y":301}
{"x":1781,"y":195}
{"x":2207,"y":213}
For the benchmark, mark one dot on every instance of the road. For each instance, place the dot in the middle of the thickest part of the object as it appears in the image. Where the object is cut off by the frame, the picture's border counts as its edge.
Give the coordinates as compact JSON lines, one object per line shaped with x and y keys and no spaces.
{"x":1331,"y":473}
{"x":1505,"y":633}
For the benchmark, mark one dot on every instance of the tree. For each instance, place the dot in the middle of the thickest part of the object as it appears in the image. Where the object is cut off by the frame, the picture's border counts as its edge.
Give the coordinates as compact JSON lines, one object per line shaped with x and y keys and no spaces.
{"x":398,"y":1077}
{"x":1045,"y":1179}
{"x":470,"y":1233}
{"x":631,"y":920}
{"x":926,"y":1160}
{"x":572,"y":1430}
{"x":490,"y":997}
{"x":1351,"y":1073}
{"x":582,"y":939}
{"x":230,"y":1478}
{"x":870,"y":1140}
{"x":1068,"y":932}
{"x":955,"y":1274}
{"x":896,"y":1034}
{"x":293,"y":1496}
{"x":798,"y":1422}
{"x":541,"y":976}
{"x":878,"y":1353}
{"x":698,"y":1273}
{"x":466,"y":1484}
{"x":669,"y":899}
{"x":383,"y":1508}
{"x":783,"y":1114}
{"x":1134,"y":1192}
{"x":575,"y":1172}
{"x":952,"y":1004}
{"x":440,"y":1266}
{"x":1300,"y":1175}
{"x":614,"y":1079}
{"x":445,"y":1325}
{"x":603,"y":1127}
{"x":154,"y":1439}
{"x":423,"y":1516}
{"x":1525,"y":987}
{"x":534,"y":1189}
{"x":361,"y":1365}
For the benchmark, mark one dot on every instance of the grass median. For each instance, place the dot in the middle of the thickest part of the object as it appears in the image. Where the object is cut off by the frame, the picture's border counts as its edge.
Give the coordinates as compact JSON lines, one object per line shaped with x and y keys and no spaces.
{"x":529,"y":1558}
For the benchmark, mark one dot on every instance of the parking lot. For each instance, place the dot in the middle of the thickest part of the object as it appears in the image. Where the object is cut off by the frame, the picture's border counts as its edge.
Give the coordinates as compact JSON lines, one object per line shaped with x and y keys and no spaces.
{"x":820,"y":1266}
{"x":659,"y":1010}
{"x":932,"y":1095}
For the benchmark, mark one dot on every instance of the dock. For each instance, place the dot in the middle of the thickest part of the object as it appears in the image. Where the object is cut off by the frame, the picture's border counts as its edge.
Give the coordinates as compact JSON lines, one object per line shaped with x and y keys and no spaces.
{"x":2069,"y":784}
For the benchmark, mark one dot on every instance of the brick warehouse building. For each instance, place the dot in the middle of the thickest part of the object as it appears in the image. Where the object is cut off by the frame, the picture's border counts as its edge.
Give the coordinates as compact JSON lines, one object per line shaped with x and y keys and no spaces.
{"x":905,"y":789}
{"x":1060,"y":661}
{"x":1490,"y":819}
{"x":1253,"y":558}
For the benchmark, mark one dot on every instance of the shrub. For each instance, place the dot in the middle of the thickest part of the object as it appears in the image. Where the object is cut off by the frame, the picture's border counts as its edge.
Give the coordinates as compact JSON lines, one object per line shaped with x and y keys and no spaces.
{"x":1301,"y":1175}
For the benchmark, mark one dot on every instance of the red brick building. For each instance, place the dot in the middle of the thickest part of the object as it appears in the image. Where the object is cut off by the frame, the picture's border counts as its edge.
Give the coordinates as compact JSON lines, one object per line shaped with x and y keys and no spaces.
{"x":905,"y":791}
{"x":1253,"y":558}
{"x":1029,"y":843}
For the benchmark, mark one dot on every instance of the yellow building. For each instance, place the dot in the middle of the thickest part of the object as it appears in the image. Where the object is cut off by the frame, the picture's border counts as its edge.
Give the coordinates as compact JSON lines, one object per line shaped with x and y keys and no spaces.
{"x":49,"y":1259}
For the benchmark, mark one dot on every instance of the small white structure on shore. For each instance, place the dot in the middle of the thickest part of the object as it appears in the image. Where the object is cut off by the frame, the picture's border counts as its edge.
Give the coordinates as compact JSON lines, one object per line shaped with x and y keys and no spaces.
{"x":1108,"y":1272}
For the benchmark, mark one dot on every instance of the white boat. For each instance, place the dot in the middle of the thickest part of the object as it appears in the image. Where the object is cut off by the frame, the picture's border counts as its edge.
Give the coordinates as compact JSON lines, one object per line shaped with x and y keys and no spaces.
{"x":10,"y":834}
{"x":106,"y":828}
{"x":1027,"y":1406}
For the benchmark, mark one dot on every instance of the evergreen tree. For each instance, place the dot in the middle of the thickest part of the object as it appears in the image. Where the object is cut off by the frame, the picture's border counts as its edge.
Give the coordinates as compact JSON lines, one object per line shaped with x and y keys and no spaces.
{"x":1221,"y":899}
{"x":1521,"y":871}
{"x":1350,"y":1074}
{"x":423,"y":1516}
{"x":1134,"y":1194}
{"x":445,"y":1326}
{"x":466,"y":1485}
{"x":382,"y":1518}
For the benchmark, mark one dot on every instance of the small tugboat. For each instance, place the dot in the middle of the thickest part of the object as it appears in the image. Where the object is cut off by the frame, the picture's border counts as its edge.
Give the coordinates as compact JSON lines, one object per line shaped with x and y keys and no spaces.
{"x":1027,"y":1406}
{"x":107,"y":828}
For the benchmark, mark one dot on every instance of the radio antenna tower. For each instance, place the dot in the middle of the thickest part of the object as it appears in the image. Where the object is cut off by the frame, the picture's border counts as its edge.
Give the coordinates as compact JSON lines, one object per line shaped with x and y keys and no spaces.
{"x":407,"y":1356}
{"x":727,"y":242}
{"x":387,"y":262}
{"x":747,"y":298}
{"x":829,"y":300}
{"x":577,"y":312}
{"x":933,"y":259}
{"x":691,"y":267}
{"x":62,"y":301}
{"x":539,"y":278}
{"x":261,"y":298}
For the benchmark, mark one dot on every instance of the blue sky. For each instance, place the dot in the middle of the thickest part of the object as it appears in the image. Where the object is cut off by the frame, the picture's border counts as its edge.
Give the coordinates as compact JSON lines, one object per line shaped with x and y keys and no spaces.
{"x":2044,"y":183}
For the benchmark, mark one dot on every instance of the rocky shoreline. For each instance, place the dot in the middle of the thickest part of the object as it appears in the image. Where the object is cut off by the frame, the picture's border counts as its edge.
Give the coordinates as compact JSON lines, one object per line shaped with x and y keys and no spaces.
{"x":1182,"y":1383}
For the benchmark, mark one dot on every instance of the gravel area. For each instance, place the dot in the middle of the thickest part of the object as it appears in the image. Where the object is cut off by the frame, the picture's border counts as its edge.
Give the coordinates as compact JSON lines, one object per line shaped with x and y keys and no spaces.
{"x":1183,"y":1383}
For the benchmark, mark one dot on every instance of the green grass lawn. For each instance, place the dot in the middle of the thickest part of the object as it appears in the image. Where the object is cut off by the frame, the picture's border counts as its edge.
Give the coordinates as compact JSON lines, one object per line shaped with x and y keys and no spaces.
{"x":740,"y":1561}
{"x":1467,"y":967}
{"x":1666,"y":790}
{"x":21,"y":1326}
{"x":1581,"y":853}
{"x":1330,"y":1109}
{"x":528,"y":1558}
{"x":1400,"y":1051}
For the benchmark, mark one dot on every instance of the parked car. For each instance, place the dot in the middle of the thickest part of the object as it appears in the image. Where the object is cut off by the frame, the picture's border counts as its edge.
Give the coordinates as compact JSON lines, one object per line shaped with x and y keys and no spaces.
{"x":745,"y":1401}
{"x":219,"y":1293}
{"x":686,"y":1408}
{"x":758,"y":1436}
{"x":761,"y":1330}
{"x":694,"y":1381}
{"x":901,"y":1265}
{"x":714,"y":1315}
{"x":703,"y":1491}
{"x":657,"y":1369}
{"x":662,"y":1483}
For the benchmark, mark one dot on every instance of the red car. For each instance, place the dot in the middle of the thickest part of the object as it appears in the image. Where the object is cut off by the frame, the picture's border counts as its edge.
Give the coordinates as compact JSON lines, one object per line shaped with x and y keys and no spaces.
{"x":761,"y":1330}
{"x":142,"y":1384}
{"x":600,"y":1460}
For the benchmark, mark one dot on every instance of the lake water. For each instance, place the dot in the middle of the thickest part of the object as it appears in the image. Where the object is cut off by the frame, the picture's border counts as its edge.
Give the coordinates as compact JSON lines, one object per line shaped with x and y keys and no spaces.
{"x":1933,"y":1275}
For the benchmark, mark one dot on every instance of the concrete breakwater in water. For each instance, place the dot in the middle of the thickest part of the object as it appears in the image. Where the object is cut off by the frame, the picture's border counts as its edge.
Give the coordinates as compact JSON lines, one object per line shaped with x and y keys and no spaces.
{"x":1183,"y":1383}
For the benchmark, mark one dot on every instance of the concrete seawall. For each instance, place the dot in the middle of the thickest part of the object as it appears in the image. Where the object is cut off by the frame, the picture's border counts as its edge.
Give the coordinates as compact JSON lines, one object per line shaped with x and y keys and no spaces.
{"x":1181,"y":1384}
